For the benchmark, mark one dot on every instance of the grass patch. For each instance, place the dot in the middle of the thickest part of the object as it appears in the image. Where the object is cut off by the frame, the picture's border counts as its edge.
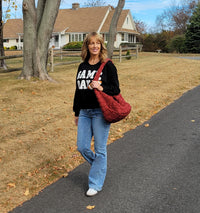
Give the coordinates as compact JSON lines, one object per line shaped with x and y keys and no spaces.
{"x":38,"y":135}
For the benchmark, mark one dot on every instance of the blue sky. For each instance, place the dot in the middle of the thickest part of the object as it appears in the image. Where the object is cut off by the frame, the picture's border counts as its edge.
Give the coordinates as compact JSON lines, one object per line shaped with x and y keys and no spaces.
{"x":143,"y":10}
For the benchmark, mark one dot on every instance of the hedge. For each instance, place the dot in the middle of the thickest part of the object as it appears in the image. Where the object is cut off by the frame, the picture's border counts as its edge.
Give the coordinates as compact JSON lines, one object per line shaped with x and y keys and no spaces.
{"x":73,"y":45}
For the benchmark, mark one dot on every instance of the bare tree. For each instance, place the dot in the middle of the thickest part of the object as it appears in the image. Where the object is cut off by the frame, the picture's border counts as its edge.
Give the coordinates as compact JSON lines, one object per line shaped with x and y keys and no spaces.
{"x":140,"y":26}
{"x":113,"y":27}
{"x":38,"y":28}
{"x":141,"y":29}
{"x":177,"y":16}
{"x":94,"y":3}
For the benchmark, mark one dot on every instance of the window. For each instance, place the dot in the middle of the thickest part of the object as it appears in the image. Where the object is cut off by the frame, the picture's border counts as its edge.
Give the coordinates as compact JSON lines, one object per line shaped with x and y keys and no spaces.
{"x":122,"y":37}
{"x":125,"y":36}
{"x":72,"y":37}
{"x":127,"y":20}
{"x":56,"y":38}
{"x":131,"y":38}
{"x":6,"y":40}
{"x":106,"y":37}
{"x":76,"y":37}
{"x":17,"y":40}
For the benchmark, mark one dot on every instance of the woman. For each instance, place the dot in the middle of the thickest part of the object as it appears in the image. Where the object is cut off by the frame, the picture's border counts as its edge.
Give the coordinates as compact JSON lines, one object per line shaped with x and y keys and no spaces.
{"x":88,"y":115}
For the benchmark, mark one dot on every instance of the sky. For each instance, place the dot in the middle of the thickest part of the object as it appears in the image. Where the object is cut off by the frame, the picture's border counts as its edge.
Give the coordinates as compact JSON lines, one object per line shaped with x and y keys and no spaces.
{"x":143,"y":10}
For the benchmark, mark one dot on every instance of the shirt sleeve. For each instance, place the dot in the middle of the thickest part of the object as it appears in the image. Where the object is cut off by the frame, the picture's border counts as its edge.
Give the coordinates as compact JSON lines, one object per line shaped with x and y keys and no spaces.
{"x":111,"y":86}
{"x":76,"y":104}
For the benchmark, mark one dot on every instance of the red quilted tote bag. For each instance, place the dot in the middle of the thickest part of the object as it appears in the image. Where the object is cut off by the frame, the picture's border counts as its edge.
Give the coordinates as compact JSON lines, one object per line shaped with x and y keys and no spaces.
{"x":114,"y":108}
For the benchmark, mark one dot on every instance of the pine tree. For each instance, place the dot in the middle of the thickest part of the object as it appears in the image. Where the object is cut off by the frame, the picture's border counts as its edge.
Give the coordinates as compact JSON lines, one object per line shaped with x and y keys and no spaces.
{"x":193,"y":32}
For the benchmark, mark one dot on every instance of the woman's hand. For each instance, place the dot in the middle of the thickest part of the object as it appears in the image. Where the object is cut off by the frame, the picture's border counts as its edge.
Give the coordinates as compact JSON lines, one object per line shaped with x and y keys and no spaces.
{"x":96,"y":85}
{"x":76,"y":121}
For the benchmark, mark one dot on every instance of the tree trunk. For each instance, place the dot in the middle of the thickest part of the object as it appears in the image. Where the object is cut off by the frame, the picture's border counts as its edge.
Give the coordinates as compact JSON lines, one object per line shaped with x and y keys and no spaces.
{"x":38,"y":28}
{"x":29,"y":46}
{"x":113,"y":27}
{"x":2,"y":62}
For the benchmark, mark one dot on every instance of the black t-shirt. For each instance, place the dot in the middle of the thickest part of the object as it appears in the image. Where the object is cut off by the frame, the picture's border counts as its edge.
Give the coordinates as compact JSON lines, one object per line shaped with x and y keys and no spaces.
{"x":85,"y":98}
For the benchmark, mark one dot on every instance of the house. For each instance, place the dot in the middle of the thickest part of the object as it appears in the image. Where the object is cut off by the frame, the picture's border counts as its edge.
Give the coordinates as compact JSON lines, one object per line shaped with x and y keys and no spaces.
{"x":13,"y":33}
{"x":75,"y":23}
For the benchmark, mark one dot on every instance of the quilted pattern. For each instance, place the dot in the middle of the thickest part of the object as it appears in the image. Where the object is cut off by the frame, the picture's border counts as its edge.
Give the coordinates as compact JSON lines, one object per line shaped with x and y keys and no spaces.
{"x":114,"y":108}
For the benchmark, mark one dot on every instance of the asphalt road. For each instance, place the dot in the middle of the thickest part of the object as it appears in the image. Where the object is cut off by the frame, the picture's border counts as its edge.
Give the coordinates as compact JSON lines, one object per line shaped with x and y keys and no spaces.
{"x":153,"y":169}
{"x":191,"y":57}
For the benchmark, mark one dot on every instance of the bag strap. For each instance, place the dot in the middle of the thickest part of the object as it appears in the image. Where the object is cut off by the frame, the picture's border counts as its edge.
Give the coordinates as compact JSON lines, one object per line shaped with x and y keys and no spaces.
{"x":100,"y":69}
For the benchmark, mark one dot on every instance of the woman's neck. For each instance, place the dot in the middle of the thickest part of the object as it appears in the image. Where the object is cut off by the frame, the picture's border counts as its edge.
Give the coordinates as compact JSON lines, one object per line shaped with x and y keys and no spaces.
{"x":93,"y":60}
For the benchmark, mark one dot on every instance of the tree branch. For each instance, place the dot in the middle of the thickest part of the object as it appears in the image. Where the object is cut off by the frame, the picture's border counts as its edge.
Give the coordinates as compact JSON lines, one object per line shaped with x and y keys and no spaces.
{"x":113,"y":27}
{"x":40,"y":10}
{"x":47,"y":22}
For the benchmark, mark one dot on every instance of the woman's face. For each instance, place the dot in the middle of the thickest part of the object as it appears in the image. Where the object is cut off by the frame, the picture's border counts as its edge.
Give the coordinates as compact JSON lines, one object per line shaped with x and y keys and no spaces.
{"x":94,"y":46}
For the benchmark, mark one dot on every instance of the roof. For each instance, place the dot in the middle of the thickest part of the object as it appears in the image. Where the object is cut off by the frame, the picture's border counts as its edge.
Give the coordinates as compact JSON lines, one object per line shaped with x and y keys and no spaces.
{"x":86,"y":19}
{"x":82,"y":20}
{"x":122,"y":17}
{"x":89,"y":19}
{"x":12,"y":28}
{"x":121,"y":20}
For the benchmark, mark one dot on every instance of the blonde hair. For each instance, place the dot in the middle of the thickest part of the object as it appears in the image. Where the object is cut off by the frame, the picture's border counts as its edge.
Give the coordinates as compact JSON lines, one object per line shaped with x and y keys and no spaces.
{"x":85,"y":54}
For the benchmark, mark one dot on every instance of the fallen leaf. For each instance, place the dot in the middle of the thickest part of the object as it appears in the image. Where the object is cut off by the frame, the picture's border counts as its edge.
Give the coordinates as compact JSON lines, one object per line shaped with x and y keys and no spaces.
{"x":146,"y":125}
{"x":70,"y":166}
{"x":29,"y":174}
{"x":90,"y":207}
{"x":65,"y":175}
{"x":11,"y":185}
{"x":57,"y":168}
{"x":26,"y":193}
{"x":193,"y":121}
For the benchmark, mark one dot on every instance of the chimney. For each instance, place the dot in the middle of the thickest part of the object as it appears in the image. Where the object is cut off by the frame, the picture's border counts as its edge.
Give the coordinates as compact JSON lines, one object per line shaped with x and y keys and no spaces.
{"x":75,"y":6}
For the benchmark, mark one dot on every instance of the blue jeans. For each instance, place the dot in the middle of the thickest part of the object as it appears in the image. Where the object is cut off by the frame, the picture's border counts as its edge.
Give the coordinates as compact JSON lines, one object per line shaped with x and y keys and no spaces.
{"x":91,"y":123}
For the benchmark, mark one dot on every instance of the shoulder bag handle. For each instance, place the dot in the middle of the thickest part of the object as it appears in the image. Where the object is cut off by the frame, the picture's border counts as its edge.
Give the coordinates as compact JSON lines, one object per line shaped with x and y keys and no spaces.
{"x":100,"y":69}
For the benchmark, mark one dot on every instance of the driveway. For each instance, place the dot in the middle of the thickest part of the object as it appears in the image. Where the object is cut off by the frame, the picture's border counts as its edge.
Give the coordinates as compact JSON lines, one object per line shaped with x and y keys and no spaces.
{"x":191,"y":57}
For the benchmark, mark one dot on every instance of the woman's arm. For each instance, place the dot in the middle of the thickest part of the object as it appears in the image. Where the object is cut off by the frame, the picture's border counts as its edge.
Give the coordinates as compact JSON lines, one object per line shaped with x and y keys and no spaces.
{"x":111,"y":85}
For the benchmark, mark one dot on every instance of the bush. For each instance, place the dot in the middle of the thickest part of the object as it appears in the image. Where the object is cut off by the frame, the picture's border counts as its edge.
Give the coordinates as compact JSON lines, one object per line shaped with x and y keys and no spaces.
{"x":73,"y":45}
{"x":177,"y":44}
{"x":128,"y":57}
{"x":13,"y":47}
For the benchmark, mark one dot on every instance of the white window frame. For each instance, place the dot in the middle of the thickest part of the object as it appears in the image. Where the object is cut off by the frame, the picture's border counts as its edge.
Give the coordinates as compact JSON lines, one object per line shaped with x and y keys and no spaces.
{"x":76,"y":37}
{"x":124,"y":37}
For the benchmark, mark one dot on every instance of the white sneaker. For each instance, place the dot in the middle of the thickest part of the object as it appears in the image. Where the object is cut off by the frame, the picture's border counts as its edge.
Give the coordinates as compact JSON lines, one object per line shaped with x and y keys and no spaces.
{"x":91,"y":192}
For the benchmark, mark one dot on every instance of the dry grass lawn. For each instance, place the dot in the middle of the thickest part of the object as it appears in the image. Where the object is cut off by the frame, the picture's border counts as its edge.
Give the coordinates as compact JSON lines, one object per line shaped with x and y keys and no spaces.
{"x":38,"y":135}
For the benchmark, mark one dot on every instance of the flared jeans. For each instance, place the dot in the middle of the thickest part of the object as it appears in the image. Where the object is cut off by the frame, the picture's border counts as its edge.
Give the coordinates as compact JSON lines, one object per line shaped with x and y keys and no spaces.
{"x":91,"y":123}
